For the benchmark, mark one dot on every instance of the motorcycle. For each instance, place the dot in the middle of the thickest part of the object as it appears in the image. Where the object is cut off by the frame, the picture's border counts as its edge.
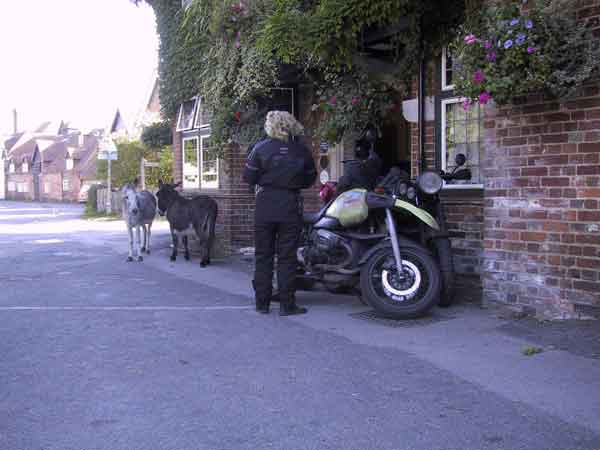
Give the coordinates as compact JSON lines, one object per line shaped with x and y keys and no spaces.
{"x":383,"y":243}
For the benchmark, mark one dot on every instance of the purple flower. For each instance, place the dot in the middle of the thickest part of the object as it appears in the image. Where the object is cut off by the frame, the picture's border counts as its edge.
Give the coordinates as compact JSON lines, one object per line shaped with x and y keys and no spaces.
{"x":528,"y":24}
{"x":333,"y":100}
{"x":466,"y":104}
{"x":355,"y":100}
{"x":514,"y":22}
{"x":478,"y":77}
{"x":238,"y":44}
{"x":487,"y":45}
{"x":520,"y":38}
{"x":530,"y":50}
{"x":484,"y":97}
{"x":508,"y":44}
{"x":491,"y":57}
{"x":470,"y":39}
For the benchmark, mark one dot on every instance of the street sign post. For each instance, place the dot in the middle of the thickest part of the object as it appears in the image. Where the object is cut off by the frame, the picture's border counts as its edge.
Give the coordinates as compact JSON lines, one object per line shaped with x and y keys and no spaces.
{"x":108,"y":151}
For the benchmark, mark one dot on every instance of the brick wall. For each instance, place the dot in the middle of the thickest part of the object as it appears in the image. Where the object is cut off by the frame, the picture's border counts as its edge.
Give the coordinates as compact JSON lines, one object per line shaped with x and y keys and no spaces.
{"x":54,"y":183}
{"x":542,"y":220}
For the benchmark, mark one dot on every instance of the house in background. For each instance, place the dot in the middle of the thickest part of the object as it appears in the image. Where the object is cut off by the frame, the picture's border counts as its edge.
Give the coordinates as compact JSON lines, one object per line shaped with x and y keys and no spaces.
{"x":149,"y":111}
{"x":50,"y":163}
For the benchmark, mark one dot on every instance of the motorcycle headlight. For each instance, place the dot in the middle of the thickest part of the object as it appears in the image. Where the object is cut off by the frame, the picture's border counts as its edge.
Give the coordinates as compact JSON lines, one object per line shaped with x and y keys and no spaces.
{"x":411,"y":193}
{"x":430,"y":182}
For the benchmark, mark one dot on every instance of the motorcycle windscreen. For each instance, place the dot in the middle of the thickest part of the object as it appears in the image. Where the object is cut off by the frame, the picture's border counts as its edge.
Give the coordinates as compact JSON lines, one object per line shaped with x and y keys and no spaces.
{"x":350,"y":208}
{"x":420,"y":213}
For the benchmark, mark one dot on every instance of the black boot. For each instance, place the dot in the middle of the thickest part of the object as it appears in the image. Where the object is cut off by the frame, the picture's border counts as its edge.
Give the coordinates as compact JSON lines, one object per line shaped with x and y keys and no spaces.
{"x":291,"y":309}
{"x":263,"y":307}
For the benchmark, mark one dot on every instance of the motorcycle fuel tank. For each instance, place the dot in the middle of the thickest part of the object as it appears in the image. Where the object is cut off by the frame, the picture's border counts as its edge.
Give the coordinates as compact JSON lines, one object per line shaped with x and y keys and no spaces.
{"x":350,"y":208}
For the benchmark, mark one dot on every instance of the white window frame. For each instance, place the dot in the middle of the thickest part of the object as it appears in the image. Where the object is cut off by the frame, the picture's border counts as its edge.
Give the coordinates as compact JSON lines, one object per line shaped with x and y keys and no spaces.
{"x":445,"y":87}
{"x":179,"y":117}
{"x":198,"y":184}
{"x":213,"y":184}
{"x":66,"y":185}
{"x":11,"y":168}
{"x":25,"y":167}
{"x":69,"y":164}
{"x":443,"y":156}
{"x":12,"y":186}
{"x":199,"y":103}
{"x":47,"y":187}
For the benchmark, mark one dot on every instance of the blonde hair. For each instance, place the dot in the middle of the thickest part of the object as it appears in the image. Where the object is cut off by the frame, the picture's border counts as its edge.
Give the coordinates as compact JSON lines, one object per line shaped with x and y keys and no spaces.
{"x":281,"y":124}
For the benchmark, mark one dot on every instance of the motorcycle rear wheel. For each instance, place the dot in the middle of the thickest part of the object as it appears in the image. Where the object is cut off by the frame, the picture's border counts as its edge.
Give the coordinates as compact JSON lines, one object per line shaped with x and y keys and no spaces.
{"x":443,"y":249}
{"x":406,"y":297}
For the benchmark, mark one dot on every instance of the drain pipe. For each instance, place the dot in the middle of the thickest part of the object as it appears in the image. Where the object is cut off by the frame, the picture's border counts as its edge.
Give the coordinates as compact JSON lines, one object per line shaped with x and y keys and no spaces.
{"x":421,"y":106}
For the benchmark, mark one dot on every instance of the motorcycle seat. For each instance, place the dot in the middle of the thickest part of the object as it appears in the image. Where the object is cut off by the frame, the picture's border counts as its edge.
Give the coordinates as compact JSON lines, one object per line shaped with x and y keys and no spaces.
{"x":311,"y":218}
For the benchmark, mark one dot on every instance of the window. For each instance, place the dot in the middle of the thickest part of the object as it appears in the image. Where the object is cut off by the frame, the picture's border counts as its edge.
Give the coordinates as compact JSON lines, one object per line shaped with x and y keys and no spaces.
{"x":66,"y":184}
{"x":202,"y":116}
{"x":12,"y":187}
{"x":186,"y":115}
{"x":69,"y":164}
{"x":22,"y":187}
{"x":461,"y":132}
{"x":191,"y":179}
{"x":25,"y":167}
{"x":186,"y":3}
{"x":447,"y":83}
{"x":210,"y":165}
{"x":282,"y":100}
{"x":47,"y":187}
{"x":11,"y":168}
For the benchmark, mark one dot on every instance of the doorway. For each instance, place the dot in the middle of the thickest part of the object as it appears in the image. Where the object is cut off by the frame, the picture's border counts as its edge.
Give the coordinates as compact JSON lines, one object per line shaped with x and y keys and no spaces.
{"x":393,"y":146}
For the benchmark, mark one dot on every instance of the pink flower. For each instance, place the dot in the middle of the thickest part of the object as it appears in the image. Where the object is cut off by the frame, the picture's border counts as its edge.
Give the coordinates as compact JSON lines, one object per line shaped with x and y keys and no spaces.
{"x":355,"y":100}
{"x":237,"y":116}
{"x":484,"y":97}
{"x":470,"y":39}
{"x":333,"y":100}
{"x":467,"y":104}
{"x":491,"y":57}
{"x":530,"y":50}
{"x":478,"y":77}
{"x":487,"y":45}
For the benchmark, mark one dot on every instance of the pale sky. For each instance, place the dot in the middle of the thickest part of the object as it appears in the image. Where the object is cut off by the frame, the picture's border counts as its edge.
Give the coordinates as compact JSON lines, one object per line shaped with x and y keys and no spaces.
{"x":74,"y":60}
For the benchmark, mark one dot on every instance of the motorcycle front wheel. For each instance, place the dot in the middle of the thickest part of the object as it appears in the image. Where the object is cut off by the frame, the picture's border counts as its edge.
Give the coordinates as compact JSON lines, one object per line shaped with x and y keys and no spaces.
{"x":405,"y":296}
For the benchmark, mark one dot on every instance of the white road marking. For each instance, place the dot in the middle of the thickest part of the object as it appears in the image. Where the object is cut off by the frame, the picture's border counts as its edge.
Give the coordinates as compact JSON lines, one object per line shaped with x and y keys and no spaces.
{"x":123,"y":308}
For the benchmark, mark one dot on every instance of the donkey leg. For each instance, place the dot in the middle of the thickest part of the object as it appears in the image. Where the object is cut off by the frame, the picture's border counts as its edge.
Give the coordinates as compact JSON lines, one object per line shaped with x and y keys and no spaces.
{"x":130,"y":236}
{"x":186,"y":247}
{"x":145,"y":235}
{"x":148,"y":240}
{"x":175,"y":244}
{"x":137,"y":243}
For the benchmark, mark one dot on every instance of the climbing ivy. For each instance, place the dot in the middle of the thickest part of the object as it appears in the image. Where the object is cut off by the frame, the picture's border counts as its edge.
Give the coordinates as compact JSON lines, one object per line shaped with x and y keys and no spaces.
{"x":232,"y":52}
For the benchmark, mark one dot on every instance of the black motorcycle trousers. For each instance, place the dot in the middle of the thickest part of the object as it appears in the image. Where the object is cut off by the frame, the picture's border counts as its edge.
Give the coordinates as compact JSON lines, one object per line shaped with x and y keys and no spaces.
{"x":279,"y":238}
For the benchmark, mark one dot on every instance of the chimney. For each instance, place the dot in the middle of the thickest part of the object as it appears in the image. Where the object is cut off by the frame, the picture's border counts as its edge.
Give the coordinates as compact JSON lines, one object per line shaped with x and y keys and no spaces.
{"x":15,"y":128}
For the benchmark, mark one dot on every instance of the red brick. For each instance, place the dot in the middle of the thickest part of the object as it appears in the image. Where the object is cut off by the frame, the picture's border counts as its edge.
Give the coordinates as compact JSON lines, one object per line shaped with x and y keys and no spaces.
{"x":589,"y":147}
{"x":556,"y":181}
{"x":533,"y":236}
{"x":556,"y":226}
{"x":588,"y":216}
{"x":589,"y":192}
{"x":588,"y":263}
{"x":534,"y":171}
{"x":554,"y":138}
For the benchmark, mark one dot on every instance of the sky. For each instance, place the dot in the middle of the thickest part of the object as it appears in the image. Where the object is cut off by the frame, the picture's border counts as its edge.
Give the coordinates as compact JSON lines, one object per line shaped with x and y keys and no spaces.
{"x":74,"y":60}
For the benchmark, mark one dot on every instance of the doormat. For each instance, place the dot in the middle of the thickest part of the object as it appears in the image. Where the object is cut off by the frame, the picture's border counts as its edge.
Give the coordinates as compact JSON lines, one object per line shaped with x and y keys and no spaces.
{"x":427,"y":319}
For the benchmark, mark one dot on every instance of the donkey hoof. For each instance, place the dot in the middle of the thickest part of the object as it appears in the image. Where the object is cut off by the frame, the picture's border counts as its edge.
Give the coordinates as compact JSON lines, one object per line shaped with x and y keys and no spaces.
{"x":173,"y":258}
{"x":187,"y":257}
{"x":143,"y":249}
{"x":147,"y":251}
{"x":129,"y":259}
{"x":203,"y":264}
{"x":140,"y":258}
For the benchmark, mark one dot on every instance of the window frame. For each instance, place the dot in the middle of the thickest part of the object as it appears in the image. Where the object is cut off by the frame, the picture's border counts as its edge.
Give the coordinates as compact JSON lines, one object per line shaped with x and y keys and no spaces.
{"x":24,"y":167}
{"x":67,"y":161}
{"x":69,"y":187}
{"x":210,"y":185}
{"x":444,"y":85}
{"x":11,"y":167}
{"x":199,"y":104}
{"x":12,"y":186}
{"x":193,"y":121}
{"x":293,"y":91}
{"x":183,"y":162}
{"x":47,"y":187}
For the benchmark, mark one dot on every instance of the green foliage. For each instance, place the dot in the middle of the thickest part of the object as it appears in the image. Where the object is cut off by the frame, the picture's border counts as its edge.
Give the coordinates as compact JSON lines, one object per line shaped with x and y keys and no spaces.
{"x":505,"y":53}
{"x":231,"y":52}
{"x":531,"y":350}
{"x":157,"y":135}
{"x":92,"y":200}
{"x":163,"y":172}
{"x":127,"y":167}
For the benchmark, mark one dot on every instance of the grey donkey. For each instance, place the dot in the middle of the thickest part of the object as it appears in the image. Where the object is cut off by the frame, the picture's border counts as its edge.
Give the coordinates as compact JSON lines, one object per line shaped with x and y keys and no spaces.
{"x":139,"y":210}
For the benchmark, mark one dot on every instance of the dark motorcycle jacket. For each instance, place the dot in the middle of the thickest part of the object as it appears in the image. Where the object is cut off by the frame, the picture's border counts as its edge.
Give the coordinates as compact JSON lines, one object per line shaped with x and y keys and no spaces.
{"x":280,"y":169}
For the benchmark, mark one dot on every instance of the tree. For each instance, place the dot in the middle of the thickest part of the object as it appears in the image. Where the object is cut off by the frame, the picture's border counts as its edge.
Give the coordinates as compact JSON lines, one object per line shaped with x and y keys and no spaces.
{"x":127,"y":167}
{"x":158,"y":135}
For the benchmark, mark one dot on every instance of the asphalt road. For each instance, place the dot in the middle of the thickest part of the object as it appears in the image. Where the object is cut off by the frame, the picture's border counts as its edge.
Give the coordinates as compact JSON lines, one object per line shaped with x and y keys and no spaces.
{"x":100,"y":354}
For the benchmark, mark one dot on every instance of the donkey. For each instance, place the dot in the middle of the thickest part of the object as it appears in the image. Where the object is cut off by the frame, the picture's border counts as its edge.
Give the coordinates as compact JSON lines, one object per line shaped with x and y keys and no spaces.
{"x":139,"y":210}
{"x":188,"y":216}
